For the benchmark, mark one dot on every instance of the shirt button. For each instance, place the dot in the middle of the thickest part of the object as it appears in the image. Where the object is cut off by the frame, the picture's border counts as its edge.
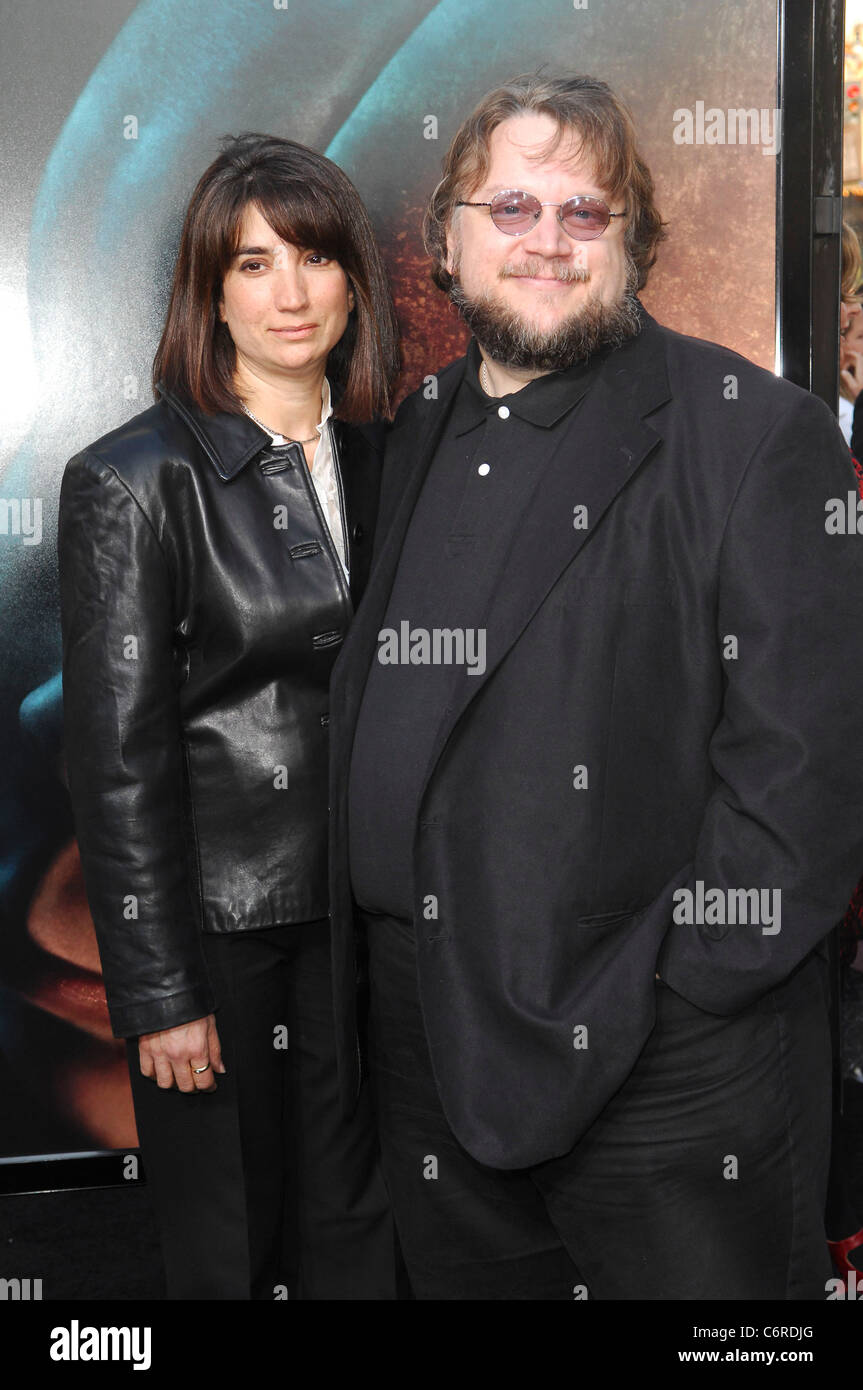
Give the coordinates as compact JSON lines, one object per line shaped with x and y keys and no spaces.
{"x":483,"y":469}
{"x":503,"y":412}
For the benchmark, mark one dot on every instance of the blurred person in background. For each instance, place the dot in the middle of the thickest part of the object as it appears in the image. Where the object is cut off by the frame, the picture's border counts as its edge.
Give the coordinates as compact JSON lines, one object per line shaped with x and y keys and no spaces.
{"x":844,"y":1225}
{"x":851,"y":342}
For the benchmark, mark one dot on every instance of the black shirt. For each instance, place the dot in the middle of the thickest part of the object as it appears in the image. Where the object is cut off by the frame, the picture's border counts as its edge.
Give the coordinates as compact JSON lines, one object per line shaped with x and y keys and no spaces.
{"x":491,"y":457}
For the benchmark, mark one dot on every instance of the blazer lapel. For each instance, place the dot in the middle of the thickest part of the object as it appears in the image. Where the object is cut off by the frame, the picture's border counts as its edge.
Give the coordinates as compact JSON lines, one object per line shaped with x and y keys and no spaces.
{"x":607,"y":443}
{"x":410,"y":451}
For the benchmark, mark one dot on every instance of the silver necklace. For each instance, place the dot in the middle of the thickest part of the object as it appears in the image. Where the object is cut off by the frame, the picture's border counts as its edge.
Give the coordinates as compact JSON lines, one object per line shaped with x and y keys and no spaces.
{"x":270,"y":429}
{"x":483,"y":379}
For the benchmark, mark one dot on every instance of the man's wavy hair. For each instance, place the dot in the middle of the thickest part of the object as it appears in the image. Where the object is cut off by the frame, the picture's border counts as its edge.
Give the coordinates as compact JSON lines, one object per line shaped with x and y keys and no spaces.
{"x":606,"y":137}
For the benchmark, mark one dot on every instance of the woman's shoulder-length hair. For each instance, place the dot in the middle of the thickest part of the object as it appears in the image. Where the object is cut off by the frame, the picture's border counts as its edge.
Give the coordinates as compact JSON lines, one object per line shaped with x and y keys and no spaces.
{"x":309,"y":201}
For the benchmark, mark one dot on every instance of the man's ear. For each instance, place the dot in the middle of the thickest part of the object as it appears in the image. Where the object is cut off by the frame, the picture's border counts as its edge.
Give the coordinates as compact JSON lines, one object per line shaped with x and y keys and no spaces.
{"x":453,"y":249}
{"x":449,"y":259}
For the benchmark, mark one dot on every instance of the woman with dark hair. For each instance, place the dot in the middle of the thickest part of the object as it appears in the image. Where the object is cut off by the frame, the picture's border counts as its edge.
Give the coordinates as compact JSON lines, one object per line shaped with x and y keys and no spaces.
{"x":211,"y":553}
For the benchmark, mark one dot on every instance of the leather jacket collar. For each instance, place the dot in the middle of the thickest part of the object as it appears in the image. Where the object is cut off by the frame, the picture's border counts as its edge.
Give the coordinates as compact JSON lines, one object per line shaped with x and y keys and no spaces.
{"x":229,"y":441}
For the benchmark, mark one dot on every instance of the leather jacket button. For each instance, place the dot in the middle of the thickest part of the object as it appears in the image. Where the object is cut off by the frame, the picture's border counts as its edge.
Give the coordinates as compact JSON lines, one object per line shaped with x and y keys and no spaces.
{"x":358,"y":532}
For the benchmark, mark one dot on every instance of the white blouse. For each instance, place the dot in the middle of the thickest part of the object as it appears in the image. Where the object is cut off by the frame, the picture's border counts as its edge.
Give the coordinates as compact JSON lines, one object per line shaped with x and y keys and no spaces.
{"x":325,"y":477}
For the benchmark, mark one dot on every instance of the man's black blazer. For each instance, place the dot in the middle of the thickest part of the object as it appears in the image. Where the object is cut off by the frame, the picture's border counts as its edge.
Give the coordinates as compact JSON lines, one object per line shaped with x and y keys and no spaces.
{"x":671,"y":696}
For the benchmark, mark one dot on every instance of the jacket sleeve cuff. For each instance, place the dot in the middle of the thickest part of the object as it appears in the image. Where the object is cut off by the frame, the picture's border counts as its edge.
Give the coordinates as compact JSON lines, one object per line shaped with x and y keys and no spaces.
{"x":131,"y":1020}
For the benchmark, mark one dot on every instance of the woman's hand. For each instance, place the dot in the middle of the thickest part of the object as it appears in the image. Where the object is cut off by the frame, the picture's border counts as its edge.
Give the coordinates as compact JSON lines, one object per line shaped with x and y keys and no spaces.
{"x":171,"y":1056}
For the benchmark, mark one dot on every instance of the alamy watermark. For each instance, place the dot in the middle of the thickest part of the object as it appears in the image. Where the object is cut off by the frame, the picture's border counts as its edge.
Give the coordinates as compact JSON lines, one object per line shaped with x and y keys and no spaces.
{"x":739,"y":125}
{"x":20,"y":1290}
{"x":436,"y":646}
{"x":844,"y":515}
{"x":22,"y":516}
{"x":710,"y":907}
{"x":77,"y":1343}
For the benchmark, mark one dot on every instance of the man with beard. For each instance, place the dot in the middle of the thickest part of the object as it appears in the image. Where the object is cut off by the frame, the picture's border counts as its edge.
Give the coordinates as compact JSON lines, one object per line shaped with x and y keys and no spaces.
{"x":597,"y":787}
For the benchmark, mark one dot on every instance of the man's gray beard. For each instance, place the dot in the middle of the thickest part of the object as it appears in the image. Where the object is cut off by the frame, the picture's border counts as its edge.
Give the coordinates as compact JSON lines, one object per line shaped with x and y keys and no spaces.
{"x":509,"y":339}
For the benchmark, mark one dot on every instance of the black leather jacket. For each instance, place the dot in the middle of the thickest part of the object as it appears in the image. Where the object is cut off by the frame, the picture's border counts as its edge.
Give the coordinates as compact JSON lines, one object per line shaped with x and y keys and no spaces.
{"x":200,"y":623}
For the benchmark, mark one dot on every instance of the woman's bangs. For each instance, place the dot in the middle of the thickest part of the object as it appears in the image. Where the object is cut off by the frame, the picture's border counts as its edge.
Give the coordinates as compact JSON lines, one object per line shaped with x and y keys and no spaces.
{"x":303,"y":216}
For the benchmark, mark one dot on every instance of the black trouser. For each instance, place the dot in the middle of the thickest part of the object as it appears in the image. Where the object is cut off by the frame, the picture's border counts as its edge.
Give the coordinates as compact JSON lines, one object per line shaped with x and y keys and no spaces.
{"x":262,"y":1186}
{"x":703,"y":1178}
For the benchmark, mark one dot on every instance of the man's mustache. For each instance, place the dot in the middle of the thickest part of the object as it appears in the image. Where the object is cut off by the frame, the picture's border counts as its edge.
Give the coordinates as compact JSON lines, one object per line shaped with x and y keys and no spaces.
{"x":550,"y":270}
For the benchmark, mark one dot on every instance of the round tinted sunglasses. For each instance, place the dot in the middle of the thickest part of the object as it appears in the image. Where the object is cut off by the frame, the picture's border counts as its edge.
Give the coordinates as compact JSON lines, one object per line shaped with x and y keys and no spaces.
{"x":515,"y":212}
